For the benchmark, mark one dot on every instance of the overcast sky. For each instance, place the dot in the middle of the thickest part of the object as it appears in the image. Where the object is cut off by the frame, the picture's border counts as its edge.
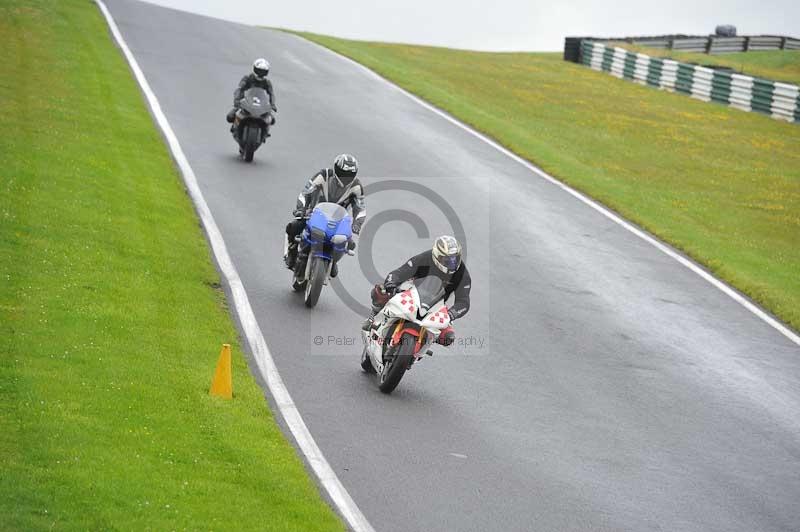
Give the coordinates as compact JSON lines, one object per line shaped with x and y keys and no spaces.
{"x":534,"y":25}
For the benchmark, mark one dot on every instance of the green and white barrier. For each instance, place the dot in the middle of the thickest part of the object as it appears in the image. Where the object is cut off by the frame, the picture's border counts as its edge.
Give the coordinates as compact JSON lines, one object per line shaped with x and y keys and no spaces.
{"x":779,"y":100}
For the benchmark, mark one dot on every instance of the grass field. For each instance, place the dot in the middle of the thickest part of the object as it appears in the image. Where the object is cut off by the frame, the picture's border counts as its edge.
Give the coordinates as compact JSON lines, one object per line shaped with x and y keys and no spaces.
{"x":721,"y":184}
{"x":776,"y":65}
{"x":111,"y":314}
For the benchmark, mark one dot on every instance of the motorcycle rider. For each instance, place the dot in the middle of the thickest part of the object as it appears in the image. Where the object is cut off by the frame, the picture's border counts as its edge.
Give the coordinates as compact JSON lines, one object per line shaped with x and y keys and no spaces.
{"x":443,"y":261}
{"x":336,"y":185}
{"x":257,"y":79}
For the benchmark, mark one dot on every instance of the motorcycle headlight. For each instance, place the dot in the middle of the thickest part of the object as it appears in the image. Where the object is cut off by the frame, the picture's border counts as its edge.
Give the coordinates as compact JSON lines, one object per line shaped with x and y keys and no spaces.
{"x":339,"y":239}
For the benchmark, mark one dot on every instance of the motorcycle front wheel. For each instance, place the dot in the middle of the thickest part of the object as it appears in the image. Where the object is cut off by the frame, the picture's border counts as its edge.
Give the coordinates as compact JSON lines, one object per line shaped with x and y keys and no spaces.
{"x":319,"y":270}
{"x":252,"y":139}
{"x":401,"y":356}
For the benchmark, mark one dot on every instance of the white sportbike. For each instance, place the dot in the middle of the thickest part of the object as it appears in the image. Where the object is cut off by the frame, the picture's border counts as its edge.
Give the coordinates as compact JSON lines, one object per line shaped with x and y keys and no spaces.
{"x":409,"y":322}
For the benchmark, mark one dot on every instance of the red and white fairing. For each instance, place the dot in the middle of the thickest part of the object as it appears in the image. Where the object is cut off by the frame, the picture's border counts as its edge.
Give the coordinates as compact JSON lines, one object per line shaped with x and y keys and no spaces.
{"x":405,"y":305}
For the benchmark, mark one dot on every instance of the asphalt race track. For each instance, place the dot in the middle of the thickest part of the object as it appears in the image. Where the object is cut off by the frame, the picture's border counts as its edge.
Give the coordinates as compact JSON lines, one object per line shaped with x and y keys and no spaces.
{"x":598,"y":383}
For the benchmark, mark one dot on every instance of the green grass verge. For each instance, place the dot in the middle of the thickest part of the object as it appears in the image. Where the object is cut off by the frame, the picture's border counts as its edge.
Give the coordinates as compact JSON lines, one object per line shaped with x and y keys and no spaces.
{"x":111,"y":315}
{"x":775,"y":65}
{"x":721,"y":184}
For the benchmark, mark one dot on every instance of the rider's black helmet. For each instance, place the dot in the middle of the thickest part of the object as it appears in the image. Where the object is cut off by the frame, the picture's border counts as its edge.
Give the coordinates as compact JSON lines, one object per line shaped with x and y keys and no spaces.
{"x":345,"y":168}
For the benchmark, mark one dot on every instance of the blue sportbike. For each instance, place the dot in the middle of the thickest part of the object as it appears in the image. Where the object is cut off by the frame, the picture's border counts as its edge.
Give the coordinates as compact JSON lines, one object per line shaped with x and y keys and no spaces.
{"x":327,"y":237}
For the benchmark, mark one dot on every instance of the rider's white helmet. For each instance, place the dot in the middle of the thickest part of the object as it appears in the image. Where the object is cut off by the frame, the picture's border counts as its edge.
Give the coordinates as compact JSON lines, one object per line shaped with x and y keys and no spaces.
{"x":447,"y":254}
{"x":261,"y":68}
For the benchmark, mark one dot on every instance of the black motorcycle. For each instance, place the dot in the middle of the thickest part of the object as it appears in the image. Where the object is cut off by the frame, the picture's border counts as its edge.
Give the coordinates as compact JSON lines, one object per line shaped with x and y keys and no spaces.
{"x":252,"y":122}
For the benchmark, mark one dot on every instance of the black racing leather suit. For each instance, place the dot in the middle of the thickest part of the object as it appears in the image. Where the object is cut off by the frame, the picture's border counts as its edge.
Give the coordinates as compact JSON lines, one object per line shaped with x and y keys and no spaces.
{"x":247,"y":82}
{"x":459,"y":283}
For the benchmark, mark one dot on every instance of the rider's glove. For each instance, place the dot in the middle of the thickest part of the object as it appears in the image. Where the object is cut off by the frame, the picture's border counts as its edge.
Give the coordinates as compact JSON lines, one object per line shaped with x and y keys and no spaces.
{"x":446,"y":337}
{"x":356,"y":227}
{"x":389,"y":287}
{"x":351,"y":245}
{"x":379,"y":297}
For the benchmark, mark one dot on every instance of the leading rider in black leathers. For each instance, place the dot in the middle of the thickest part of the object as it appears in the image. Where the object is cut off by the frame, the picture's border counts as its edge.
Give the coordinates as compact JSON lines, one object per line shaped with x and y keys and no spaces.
{"x":443,"y":261}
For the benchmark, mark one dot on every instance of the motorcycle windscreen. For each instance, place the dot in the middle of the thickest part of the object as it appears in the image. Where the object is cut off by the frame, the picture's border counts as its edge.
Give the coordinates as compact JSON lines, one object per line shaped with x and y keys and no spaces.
{"x":256,"y":101}
{"x":430,"y":290}
{"x":333,"y":219}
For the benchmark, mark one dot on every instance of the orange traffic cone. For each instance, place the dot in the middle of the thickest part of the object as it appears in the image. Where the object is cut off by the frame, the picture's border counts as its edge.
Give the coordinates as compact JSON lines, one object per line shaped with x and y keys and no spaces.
{"x":222,"y":385}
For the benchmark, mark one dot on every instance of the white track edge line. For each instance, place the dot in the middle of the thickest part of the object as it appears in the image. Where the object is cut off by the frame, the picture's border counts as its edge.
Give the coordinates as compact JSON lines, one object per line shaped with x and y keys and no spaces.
{"x":258,"y":345}
{"x":693,"y":266}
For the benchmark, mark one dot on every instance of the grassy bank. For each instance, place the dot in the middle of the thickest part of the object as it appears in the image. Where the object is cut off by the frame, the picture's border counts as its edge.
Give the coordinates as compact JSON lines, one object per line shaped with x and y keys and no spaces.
{"x":721,"y":184}
{"x":776,"y":65}
{"x":111,"y":315}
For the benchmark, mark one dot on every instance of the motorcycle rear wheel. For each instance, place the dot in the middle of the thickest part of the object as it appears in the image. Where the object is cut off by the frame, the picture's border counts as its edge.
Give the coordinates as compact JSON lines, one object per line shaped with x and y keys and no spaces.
{"x":366,"y":363}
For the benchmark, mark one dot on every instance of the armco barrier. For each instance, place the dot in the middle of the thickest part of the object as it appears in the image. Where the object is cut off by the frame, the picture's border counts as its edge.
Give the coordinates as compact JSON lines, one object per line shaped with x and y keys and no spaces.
{"x":779,"y":100}
{"x":708,"y":44}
